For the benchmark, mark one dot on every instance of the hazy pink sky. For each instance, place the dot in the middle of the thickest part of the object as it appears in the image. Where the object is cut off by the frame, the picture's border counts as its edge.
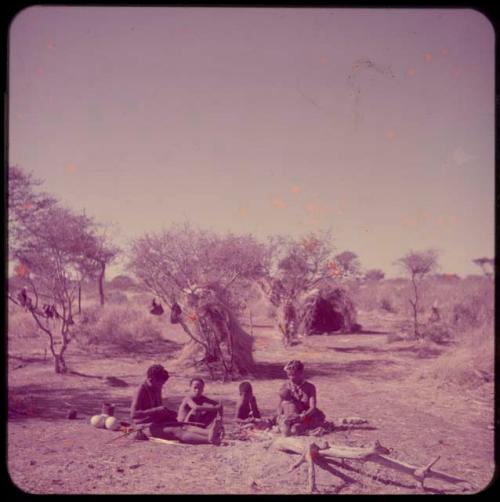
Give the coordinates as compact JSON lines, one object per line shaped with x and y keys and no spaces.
{"x":376,"y":123}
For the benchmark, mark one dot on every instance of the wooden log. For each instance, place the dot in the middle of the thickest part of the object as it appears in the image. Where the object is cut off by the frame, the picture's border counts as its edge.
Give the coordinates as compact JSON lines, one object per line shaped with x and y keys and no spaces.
{"x":296,"y":444}
{"x":312,"y":452}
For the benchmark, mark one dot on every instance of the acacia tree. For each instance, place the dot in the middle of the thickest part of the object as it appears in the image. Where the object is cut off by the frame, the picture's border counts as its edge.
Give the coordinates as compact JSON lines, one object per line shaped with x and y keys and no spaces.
{"x":25,"y":204}
{"x":295,"y":267}
{"x":182,"y":264}
{"x":51,"y":246}
{"x":483,"y":263}
{"x":374,"y":274}
{"x":417,"y":264}
{"x":349,"y":264}
{"x":50,"y":252}
{"x":99,"y":253}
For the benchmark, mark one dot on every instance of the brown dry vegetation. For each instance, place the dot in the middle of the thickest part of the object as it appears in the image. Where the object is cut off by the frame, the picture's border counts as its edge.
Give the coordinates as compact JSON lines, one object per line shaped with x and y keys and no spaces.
{"x":423,"y":399}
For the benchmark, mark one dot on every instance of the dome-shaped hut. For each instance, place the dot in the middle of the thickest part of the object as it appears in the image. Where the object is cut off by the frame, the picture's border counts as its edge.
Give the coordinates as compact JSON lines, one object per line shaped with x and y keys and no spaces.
{"x":327,"y":311}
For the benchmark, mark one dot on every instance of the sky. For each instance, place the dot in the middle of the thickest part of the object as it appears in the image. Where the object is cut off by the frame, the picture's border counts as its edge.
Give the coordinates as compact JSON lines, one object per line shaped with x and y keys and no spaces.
{"x":376,"y":123}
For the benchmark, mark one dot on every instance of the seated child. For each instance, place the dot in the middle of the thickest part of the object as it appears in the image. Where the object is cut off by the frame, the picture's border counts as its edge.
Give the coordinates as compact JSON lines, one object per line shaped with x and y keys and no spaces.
{"x":197,"y":408}
{"x":288,"y":411}
{"x":246,"y":407}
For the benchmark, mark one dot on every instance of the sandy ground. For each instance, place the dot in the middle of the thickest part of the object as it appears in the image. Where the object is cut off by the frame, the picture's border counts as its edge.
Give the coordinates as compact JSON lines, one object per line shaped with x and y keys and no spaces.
{"x":355,"y":375}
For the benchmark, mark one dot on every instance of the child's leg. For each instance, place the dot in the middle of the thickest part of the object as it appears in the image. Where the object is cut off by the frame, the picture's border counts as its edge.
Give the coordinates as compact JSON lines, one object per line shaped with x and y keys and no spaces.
{"x":190,"y":433}
{"x":208,"y":416}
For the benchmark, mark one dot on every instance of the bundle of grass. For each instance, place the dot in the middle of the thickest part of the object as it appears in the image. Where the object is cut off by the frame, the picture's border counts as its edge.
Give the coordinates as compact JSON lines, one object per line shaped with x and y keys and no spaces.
{"x":219,"y":346}
{"x":328,"y":311}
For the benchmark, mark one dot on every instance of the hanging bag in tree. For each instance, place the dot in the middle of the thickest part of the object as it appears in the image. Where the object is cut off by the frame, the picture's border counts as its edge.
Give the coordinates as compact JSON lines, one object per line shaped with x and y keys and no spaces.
{"x":175,"y":313}
{"x":156,"y":308}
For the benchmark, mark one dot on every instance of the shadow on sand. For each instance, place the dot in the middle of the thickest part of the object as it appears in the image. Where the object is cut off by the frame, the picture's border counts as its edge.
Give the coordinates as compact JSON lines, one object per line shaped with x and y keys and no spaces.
{"x":367,"y":367}
{"x":418,"y":352}
{"x":38,"y":401}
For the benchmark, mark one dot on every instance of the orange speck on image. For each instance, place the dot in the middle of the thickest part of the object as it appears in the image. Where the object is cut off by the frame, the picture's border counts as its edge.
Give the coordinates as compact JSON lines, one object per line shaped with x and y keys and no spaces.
{"x":412,"y":72}
{"x":22,"y":270}
{"x":279,"y":202}
{"x":39,"y":71}
{"x":332,"y":266}
{"x":390,"y":135}
{"x":428,"y":56}
{"x":445,"y":52}
{"x":441,"y":221}
{"x":51,"y":45}
{"x":71,"y":168}
{"x":28,"y":205}
{"x":295,"y":189}
{"x":243,"y":211}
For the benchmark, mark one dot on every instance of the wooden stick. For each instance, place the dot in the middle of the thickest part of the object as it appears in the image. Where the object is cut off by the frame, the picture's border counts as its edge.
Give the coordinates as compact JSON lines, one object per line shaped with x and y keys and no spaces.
{"x":300,"y":461}
{"x":410,"y":469}
{"x":311,"y":472}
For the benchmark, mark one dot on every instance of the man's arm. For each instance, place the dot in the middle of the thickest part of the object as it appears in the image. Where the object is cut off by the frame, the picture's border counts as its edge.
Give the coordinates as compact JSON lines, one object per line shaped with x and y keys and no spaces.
{"x":144,"y":415}
{"x":183,"y":410}
{"x":210,"y":401}
{"x":311,"y":402}
{"x":203,"y":407}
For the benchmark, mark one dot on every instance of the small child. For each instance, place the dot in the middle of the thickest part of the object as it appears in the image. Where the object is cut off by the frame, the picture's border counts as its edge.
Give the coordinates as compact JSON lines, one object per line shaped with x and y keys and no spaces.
{"x":287,"y":409}
{"x":246,"y":407}
{"x":196,"y":407}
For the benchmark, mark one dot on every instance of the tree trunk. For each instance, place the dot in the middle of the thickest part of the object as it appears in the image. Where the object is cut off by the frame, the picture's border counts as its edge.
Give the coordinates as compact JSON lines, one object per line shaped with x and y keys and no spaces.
{"x":101,"y":282}
{"x":60,"y":364}
{"x":79,"y":298}
{"x":415,"y":309}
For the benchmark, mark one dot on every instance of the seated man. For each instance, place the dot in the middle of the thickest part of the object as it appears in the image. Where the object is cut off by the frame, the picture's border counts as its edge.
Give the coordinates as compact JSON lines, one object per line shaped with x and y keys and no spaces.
{"x":196,"y":407}
{"x":147,"y":409}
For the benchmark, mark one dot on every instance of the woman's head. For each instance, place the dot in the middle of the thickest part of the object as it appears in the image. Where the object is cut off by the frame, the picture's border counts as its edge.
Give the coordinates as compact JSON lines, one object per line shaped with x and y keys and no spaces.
{"x":245,"y":389}
{"x":196,"y":387}
{"x":157,"y":375}
{"x":294,"y":370}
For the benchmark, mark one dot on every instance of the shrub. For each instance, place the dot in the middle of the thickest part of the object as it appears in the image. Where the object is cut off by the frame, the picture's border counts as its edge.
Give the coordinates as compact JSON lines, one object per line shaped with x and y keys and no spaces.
{"x":121,"y":326}
{"x":473,"y":311}
{"x":116,"y":297}
{"x":438,"y":332}
{"x":470,"y":364}
{"x":385,"y":304}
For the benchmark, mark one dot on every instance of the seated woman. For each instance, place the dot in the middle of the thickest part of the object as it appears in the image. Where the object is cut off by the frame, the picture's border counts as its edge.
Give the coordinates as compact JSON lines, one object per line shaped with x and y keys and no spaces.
{"x":198,"y":408}
{"x":147,"y":409}
{"x":301,"y":397}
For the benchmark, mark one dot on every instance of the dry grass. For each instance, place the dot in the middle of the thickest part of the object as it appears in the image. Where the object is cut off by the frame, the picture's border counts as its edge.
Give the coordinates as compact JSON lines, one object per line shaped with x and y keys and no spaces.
{"x":468,"y":364}
{"x":124,"y":327}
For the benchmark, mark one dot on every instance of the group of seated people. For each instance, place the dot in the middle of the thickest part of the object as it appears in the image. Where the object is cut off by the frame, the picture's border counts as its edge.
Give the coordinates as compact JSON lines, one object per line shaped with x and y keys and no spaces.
{"x":199,"y":418}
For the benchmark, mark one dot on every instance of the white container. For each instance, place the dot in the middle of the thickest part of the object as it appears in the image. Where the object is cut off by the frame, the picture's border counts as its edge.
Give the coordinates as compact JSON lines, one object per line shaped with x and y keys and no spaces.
{"x":112,"y":423}
{"x":99,"y":421}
